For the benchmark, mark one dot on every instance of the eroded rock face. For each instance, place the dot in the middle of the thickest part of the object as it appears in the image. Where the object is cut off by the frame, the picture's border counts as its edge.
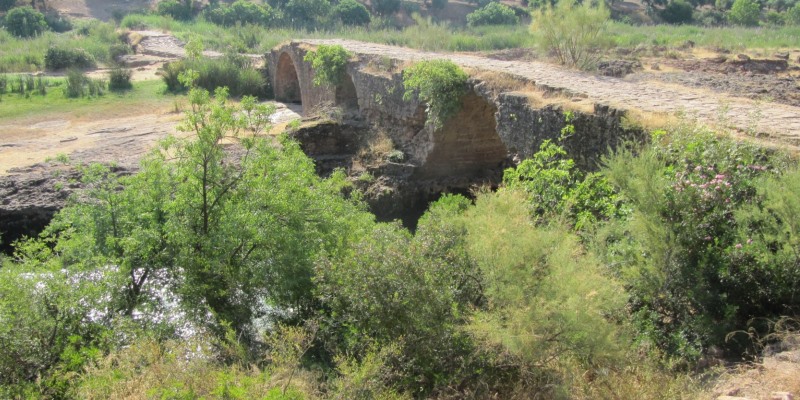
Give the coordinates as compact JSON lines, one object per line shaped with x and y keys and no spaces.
{"x":30,"y":197}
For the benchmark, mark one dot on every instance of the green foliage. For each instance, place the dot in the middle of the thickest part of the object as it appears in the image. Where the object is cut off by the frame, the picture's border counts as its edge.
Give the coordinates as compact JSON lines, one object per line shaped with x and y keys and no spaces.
{"x":241,"y":12}
{"x":440,"y":84}
{"x":547,"y":299}
{"x":677,"y":12}
{"x":58,"y":58}
{"x":79,"y":85}
{"x":574,"y":33}
{"x":494,"y":13}
{"x":385,"y":7}
{"x":120,"y":79}
{"x":351,"y":12}
{"x":234,"y":72}
{"x":329,"y":63}
{"x":557,"y":189}
{"x":793,"y":15}
{"x":306,"y":13}
{"x":117,"y":50}
{"x":694,"y":249}
{"x":49,"y":324}
{"x":181,"y":10}
{"x":395,"y":288}
{"x":25,"y":22}
{"x":745,"y":12}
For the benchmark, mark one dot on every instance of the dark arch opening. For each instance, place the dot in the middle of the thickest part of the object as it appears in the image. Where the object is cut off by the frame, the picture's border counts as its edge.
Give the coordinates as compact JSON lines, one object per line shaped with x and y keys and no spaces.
{"x":346,"y":96}
{"x":287,"y":84}
{"x":468,"y":145}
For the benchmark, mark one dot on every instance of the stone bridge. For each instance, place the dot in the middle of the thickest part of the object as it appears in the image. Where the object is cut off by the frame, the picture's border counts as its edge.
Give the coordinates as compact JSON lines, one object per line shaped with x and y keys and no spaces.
{"x":512,"y":106}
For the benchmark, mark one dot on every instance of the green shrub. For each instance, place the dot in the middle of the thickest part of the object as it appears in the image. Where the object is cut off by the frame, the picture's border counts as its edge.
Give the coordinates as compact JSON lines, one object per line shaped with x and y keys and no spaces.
{"x":706,"y":213}
{"x":120,"y":79}
{"x":117,"y":50}
{"x":386,"y":7}
{"x":440,"y":84}
{"x":557,"y":189}
{"x":181,"y":10}
{"x":306,"y":13}
{"x":57,"y":58}
{"x":79,"y":85}
{"x":774,"y":18}
{"x":574,"y":33}
{"x":25,"y":22}
{"x":793,"y":15}
{"x":745,"y":12}
{"x":493,"y":13}
{"x":329,"y":63}
{"x":351,"y":12}
{"x":710,"y":17}
{"x":677,"y":12}
{"x":232,"y":71}
{"x":242,"y":12}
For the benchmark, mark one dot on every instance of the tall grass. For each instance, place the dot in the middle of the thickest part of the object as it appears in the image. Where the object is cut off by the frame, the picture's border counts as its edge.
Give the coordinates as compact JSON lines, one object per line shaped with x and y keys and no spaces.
{"x":27,"y":55}
{"x":734,"y":38}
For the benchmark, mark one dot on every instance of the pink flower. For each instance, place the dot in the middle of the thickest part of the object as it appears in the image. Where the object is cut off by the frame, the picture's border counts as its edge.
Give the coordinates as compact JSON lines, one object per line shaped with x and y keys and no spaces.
{"x":749,"y":241}
{"x":738,"y":245}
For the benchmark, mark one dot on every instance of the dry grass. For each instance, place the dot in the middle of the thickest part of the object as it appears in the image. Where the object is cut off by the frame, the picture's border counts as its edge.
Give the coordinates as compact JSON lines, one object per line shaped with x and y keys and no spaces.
{"x":650,"y":121}
{"x":373,"y":150}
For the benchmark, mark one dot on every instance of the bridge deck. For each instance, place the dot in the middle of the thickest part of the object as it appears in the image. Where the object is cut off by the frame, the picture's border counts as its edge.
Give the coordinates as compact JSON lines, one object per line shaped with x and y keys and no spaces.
{"x":780,"y":122}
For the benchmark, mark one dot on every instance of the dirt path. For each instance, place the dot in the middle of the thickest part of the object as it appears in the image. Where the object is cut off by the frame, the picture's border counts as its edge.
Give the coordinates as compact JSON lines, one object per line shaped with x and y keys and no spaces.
{"x":781,"y":123}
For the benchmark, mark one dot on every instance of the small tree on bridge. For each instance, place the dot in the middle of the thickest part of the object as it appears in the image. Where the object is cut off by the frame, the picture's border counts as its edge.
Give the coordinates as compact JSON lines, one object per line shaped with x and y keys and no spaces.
{"x":329,"y":63}
{"x":440,"y":84}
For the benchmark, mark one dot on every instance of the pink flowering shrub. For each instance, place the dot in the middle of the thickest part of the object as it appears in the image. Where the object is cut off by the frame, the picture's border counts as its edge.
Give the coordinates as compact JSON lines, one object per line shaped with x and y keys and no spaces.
{"x":695,"y":252}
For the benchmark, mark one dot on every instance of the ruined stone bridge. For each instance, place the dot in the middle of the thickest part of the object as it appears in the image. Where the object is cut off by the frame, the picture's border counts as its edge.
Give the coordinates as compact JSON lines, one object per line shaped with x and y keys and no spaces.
{"x":502,"y":116}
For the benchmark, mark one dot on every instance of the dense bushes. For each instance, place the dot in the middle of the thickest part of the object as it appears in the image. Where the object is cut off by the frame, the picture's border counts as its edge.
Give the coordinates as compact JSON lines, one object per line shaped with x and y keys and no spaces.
{"x":494,"y":13}
{"x":25,"y":22}
{"x":120,"y":79}
{"x":235,"y":72}
{"x":351,"y":12}
{"x":385,"y":7}
{"x":57,"y":58}
{"x":182,"y":10}
{"x":704,"y":215}
{"x":677,"y":12}
{"x":243,"y":12}
{"x":745,"y":12}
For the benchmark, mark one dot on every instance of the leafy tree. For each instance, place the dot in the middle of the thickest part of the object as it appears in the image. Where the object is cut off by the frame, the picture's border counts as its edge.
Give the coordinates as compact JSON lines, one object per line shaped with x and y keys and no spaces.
{"x":572,"y":32}
{"x":181,"y":10}
{"x":745,"y":12}
{"x":385,"y":7}
{"x":440,"y":84}
{"x":494,"y":13}
{"x":329,"y":63}
{"x":305,"y":13}
{"x":677,"y":12}
{"x":793,"y":15}
{"x":351,"y":12}
{"x":25,"y":22}
{"x":243,"y":12}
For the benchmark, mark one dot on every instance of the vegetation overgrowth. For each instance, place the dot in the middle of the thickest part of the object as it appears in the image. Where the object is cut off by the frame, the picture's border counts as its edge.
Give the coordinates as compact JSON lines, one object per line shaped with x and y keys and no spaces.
{"x":201,"y":276}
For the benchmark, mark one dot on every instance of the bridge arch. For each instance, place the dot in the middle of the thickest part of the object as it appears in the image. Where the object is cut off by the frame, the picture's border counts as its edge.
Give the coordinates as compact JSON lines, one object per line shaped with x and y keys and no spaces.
{"x":468,"y":143}
{"x":287,"y":82}
{"x":345,"y":95}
